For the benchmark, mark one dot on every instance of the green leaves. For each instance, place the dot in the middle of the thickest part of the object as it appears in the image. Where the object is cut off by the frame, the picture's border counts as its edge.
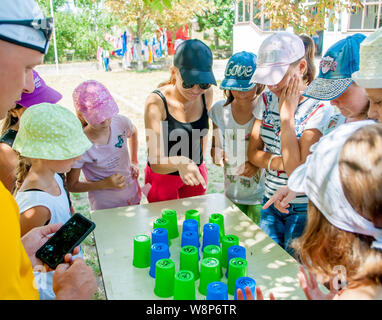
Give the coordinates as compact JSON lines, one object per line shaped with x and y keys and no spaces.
{"x":159,"y":5}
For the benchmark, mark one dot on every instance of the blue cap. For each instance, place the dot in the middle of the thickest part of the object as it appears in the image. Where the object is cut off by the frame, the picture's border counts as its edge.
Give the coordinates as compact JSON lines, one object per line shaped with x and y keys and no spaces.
{"x":242,"y":283}
{"x":239,"y":71}
{"x":336,"y":68}
{"x":217,"y":291}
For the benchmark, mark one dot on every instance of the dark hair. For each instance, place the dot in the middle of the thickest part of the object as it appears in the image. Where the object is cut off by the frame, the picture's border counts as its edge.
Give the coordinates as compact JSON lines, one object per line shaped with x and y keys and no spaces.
{"x":310,"y":72}
{"x":229,"y":96}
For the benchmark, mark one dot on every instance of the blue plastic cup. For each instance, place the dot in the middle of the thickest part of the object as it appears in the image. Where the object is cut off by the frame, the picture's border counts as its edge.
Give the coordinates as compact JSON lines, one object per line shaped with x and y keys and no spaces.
{"x":235,"y":252}
{"x":158,"y":251}
{"x":217,"y":291}
{"x":211,"y":235}
{"x":159,"y":235}
{"x":191,"y":238}
{"x":243,"y":282}
{"x":191,"y":225}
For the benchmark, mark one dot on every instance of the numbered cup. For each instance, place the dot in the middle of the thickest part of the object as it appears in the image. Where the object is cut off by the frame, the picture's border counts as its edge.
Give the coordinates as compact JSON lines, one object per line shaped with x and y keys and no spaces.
{"x":191,"y":225}
{"x":194,"y":214}
{"x":217,"y":291}
{"x":141,"y":255}
{"x":213,"y":252}
{"x":164,"y":280}
{"x":211,"y":235}
{"x":238,"y":267}
{"x":209,"y":272}
{"x":235,"y":252}
{"x":159,"y":235}
{"x":242,"y":283}
{"x":229,"y":240}
{"x":189,"y":260}
{"x":172,"y":218}
{"x":158,"y":251}
{"x":184,"y":287}
{"x":218,"y":218}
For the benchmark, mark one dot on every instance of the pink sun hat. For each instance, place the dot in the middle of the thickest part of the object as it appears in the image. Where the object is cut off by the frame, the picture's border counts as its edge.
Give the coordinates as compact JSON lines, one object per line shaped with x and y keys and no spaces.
{"x":94,"y":101}
{"x":42,"y":93}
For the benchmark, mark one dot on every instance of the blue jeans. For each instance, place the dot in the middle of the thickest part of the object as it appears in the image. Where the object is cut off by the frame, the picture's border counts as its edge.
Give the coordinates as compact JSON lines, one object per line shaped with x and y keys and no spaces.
{"x":281,"y":227}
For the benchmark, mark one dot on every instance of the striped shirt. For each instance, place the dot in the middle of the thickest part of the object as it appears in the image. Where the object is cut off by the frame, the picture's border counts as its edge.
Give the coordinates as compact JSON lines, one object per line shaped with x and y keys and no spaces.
{"x":310,"y":114}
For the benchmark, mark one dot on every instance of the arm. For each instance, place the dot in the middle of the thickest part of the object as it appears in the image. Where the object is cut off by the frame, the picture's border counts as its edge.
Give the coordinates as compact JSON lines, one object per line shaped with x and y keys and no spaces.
{"x":34,"y":217}
{"x":8,"y":165}
{"x":217,"y":152}
{"x":133,"y":145}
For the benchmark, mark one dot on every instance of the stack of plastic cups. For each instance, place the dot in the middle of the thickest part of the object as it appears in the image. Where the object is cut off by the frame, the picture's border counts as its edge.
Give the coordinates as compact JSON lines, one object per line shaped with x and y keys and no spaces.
{"x":209,"y":272}
{"x":159,"y":235}
{"x":158,"y":251}
{"x":235,"y":252}
{"x":191,"y":225}
{"x":217,"y":291}
{"x":165,"y":277}
{"x":163,"y":223}
{"x":243,"y":282}
{"x":211,"y":235}
{"x":213,"y":252}
{"x":171,"y":216}
{"x":141,"y":257}
{"x":193,"y":214}
{"x":189,"y":260}
{"x":229,"y":240}
{"x":219,"y":220}
{"x":184,"y":287}
{"x":190,"y":238}
{"x":238,"y":267}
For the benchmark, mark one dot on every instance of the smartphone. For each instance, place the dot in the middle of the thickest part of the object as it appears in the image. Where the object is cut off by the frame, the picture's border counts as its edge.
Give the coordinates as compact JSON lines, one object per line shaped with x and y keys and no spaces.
{"x":69,"y":236}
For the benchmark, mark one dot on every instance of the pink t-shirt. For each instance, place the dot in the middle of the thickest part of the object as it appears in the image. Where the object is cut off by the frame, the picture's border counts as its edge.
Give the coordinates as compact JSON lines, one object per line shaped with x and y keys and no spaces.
{"x":102,"y":161}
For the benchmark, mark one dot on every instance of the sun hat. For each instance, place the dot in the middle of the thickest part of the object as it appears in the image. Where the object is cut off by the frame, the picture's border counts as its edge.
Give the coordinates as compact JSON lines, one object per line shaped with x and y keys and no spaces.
{"x":239,"y":71}
{"x":94,"y":101}
{"x":319,"y":179}
{"x":23,"y":23}
{"x":42,"y":93}
{"x":52,"y":132}
{"x":370,"y":67}
{"x":276,"y":53}
{"x":336,"y":68}
{"x":193,"y":58}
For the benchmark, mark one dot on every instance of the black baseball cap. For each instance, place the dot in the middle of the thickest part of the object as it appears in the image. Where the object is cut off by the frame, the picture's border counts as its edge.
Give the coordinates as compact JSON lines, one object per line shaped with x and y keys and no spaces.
{"x":193,"y":58}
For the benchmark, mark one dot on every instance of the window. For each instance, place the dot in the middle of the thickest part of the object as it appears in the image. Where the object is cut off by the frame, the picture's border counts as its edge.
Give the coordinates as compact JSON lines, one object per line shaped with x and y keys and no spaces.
{"x":366,"y":18}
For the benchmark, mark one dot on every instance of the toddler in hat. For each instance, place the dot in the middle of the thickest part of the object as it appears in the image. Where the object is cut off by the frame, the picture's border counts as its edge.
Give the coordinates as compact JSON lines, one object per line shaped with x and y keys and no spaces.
{"x":287,"y":125}
{"x":111,"y":172}
{"x":8,"y":157}
{"x":49,"y":141}
{"x":234,"y":119}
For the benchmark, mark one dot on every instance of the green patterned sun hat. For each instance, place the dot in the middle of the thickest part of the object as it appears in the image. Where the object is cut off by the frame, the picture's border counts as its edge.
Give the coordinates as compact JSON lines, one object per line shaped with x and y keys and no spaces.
{"x":52,"y":132}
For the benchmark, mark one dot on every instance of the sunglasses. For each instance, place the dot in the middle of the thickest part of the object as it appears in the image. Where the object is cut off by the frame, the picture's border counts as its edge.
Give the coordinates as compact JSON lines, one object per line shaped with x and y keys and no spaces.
{"x":203,"y":86}
{"x":44,"y":25}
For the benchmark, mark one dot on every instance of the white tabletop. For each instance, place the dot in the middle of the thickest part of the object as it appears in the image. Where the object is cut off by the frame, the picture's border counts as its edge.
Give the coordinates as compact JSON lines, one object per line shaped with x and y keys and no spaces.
{"x":273,"y":269}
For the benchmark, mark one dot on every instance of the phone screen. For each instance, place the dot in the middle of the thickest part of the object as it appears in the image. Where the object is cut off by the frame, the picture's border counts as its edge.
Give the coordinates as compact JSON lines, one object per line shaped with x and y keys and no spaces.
{"x":70,"y":235}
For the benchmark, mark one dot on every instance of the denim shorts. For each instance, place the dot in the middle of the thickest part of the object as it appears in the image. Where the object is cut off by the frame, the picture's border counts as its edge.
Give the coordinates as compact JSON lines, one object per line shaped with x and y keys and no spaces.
{"x":281,"y":227}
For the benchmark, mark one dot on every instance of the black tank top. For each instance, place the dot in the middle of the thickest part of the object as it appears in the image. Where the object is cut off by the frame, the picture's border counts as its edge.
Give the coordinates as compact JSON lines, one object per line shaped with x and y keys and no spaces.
{"x":9,"y":137}
{"x":183,"y":139}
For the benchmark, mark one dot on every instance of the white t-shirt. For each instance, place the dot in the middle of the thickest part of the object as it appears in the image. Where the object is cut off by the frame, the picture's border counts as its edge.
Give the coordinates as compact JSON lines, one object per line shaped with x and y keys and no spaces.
{"x":235,"y":139}
{"x":310,"y":114}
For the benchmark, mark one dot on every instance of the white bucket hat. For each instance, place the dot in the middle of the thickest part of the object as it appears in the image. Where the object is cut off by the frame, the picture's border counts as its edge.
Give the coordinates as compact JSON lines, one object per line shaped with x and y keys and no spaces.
{"x":319,"y":179}
{"x":370,"y":67}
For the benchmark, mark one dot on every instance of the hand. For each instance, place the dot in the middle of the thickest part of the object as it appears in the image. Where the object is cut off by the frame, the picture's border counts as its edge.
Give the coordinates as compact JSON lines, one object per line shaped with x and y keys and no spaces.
{"x":35,"y":238}
{"x":311,"y":289}
{"x":248,"y":293}
{"x":74,"y":281}
{"x":115,"y":181}
{"x":134,"y":170}
{"x":219,"y":157}
{"x":281,"y":199}
{"x":290,"y":97}
{"x":247,"y":169}
{"x":190,"y":174}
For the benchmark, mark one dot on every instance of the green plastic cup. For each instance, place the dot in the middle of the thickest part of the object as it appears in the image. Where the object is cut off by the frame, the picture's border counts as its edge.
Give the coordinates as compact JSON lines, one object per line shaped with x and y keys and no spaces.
{"x":163,"y":223}
{"x":238,"y":267}
{"x":209,"y":272}
{"x":141,"y":255}
{"x":172,"y":218}
{"x":189,"y":260}
{"x":213,"y":251}
{"x":194,"y":214}
{"x":164,"y":278}
{"x":229,"y":240}
{"x":219,"y":220}
{"x":184,"y":286}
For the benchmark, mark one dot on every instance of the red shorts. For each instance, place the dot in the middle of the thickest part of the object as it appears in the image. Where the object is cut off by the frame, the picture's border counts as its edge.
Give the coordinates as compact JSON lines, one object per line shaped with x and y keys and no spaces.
{"x":170,"y":187}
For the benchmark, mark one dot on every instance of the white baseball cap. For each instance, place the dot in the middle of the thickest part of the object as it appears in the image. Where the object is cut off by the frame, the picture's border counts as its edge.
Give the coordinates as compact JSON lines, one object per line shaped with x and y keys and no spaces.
{"x":276,"y":53}
{"x":23,"y":23}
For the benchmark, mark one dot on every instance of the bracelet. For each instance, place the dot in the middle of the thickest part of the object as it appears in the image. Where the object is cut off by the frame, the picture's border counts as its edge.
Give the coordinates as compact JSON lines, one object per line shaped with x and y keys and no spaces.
{"x":270,"y":160}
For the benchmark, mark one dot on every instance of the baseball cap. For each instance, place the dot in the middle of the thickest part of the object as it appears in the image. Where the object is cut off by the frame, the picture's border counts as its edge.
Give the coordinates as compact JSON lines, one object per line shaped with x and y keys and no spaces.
{"x":319,"y":179}
{"x":276,"y":53}
{"x":193,"y":58}
{"x":336,"y":68}
{"x":52,"y":132}
{"x":239,"y":71}
{"x":23,"y":23}
{"x":42,"y":93}
{"x":94,"y":101}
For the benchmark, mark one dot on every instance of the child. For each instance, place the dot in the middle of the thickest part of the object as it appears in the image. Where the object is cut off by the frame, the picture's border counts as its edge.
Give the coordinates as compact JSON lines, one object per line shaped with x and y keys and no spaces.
{"x":49,"y":141}
{"x":287,"y":125}
{"x":334,"y":83}
{"x":8,"y":157}
{"x":111,"y":173}
{"x":243,"y":182}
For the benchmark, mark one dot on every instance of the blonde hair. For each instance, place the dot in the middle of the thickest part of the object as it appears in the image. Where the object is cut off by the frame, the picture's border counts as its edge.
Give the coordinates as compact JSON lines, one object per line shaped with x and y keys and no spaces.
{"x":172,"y":79}
{"x":323,"y":246}
{"x":9,"y":120}
{"x":81,"y":118}
{"x":22,"y":171}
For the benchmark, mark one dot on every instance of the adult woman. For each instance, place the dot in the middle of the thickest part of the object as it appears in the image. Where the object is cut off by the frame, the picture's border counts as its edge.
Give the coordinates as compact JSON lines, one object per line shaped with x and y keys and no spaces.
{"x":176,"y":122}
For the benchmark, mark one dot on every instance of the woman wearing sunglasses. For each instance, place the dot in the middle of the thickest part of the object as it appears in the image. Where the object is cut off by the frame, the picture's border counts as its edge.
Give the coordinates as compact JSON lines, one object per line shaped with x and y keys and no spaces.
{"x":176,"y":121}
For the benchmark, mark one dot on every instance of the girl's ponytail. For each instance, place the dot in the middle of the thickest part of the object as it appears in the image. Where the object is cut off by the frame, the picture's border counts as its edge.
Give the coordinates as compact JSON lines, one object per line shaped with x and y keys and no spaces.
{"x":22,"y":170}
{"x":310,"y":72}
